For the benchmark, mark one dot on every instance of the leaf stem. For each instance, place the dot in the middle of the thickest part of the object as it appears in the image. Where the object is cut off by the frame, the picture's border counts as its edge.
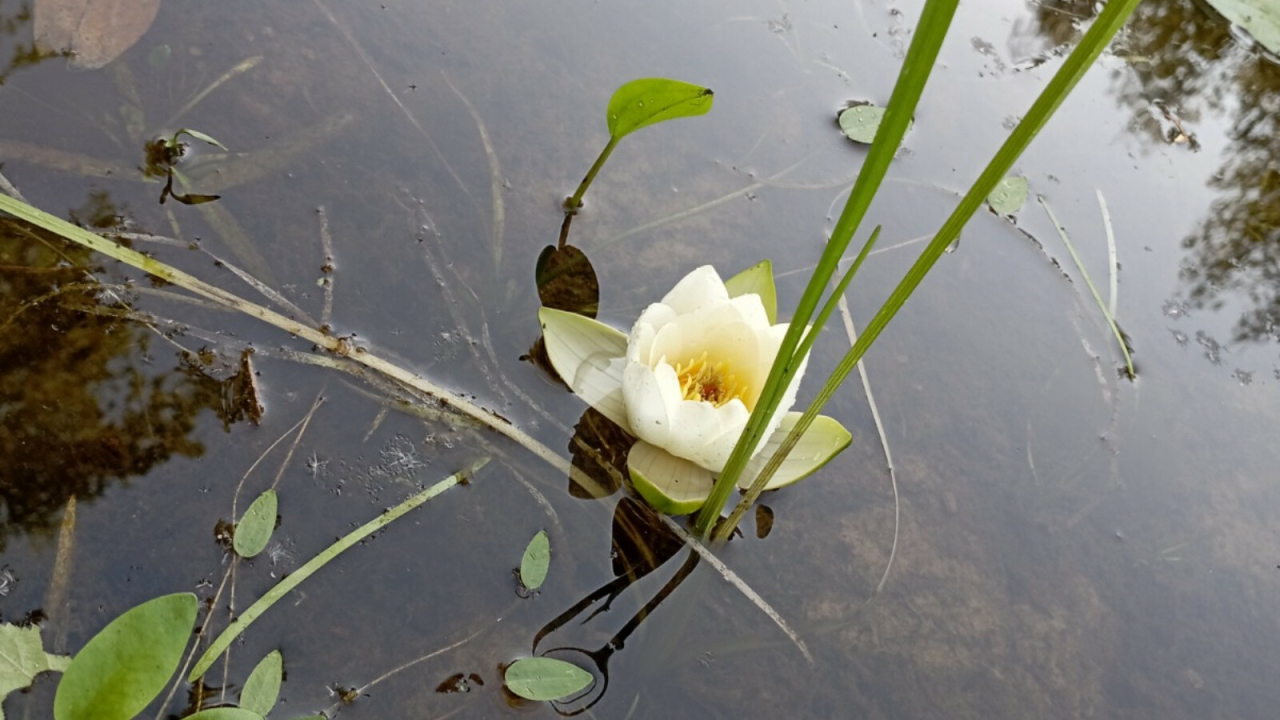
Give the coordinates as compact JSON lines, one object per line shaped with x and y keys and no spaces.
{"x":574,"y":203}
{"x":282,"y":588}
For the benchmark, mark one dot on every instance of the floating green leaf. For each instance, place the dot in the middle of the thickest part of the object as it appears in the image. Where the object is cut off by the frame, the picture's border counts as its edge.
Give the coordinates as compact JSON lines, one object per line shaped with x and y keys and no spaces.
{"x":225,"y":713}
{"x":126,"y":665}
{"x":255,"y":527}
{"x":536,"y":560}
{"x":756,"y":279}
{"x":544,"y":679}
{"x":22,"y":657}
{"x":262,"y":689}
{"x":861,"y":122}
{"x":1009,"y":195}
{"x":646,"y":101}
{"x":1260,"y":18}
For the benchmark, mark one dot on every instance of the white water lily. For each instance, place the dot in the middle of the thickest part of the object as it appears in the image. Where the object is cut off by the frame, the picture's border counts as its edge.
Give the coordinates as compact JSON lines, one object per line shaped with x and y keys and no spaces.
{"x":684,"y":384}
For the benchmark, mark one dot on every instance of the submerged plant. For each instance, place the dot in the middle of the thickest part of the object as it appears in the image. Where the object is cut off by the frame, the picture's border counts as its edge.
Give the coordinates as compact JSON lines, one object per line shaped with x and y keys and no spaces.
{"x":685,"y":382}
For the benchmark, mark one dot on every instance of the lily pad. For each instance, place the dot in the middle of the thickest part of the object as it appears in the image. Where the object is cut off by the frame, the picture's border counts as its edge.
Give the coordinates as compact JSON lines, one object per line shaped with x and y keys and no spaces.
{"x":543,"y":679}
{"x":124,"y":667}
{"x":262,"y":689}
{"x":644,"y":102}
{"x":669,"y":484}
{"x":1260,"y":18}
{"x":756,"y":279}
{"x":566,"y":281}
{"x":1009,"y":195}
{"x":859,"y":122}
{"x":256,"y":526}
{"x":536,"y":561}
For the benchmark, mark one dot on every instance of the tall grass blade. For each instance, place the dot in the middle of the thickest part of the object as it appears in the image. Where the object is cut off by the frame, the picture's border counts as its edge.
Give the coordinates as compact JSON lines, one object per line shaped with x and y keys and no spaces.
{"x":1113,"y":16}
{"x":932,"y":29}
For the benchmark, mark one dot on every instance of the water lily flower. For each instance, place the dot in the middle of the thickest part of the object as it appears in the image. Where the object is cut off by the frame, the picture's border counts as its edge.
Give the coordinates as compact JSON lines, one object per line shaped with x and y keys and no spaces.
{"x":684,"y":383}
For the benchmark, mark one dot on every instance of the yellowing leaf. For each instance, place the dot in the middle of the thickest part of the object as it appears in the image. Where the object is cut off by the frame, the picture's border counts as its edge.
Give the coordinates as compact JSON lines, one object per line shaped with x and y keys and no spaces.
{"x":94,"y":32}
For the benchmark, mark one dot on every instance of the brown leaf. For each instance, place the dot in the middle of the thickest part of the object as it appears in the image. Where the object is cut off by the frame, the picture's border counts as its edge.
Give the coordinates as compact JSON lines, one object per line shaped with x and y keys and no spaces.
{"x":94,"y":32}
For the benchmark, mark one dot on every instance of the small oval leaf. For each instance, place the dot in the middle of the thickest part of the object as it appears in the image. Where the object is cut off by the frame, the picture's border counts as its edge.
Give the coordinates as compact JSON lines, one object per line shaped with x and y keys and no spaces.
{"x":646,"y":101}
{"x":256,"y":526}
{"x":542,"y":679}
{"x":126,"y":665}
{"x":262,"y":689}
{"x":536,"y":561}
{"x":860,"y":122}
{"x":1009,"y":195}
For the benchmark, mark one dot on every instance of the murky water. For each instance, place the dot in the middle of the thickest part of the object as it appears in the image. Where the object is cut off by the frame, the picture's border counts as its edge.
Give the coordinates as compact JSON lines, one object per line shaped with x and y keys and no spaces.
{"x":1071,"y":543}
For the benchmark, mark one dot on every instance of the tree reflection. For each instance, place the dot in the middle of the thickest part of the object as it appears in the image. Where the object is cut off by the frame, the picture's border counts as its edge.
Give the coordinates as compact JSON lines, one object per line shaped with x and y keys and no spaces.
{"x":1186,"y":60}
{"x":78,"y":404}
{"x":17,"y":24}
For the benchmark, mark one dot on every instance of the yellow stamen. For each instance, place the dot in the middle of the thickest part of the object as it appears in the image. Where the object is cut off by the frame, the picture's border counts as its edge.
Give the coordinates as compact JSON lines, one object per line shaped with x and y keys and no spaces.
{"x":700,"y":379}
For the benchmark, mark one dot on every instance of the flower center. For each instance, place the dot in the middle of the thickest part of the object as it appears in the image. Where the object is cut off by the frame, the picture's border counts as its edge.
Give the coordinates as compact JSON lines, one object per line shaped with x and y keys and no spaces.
{"x":701,"y":379}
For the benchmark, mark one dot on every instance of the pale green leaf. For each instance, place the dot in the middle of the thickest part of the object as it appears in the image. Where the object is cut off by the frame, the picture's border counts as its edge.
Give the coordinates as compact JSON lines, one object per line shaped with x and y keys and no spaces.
{"x":825,"y":438}
{"x":22,"y":657}
{"x":225,"y":713}
{"x":126,"y":665}
{"x":646,"y":101}
{"x":1009,"y":195}
{"x":544,"y":679}
{"x":262,"y":689}
{"x":254,"y":529}
{"x":589,"y":356}
{"x":756,"y":279}
{"x":536,"y":560}
{"x":199,"y":136}
{"x":1260,"y":18}
{"x":859,"y":123}
{"x":669,"y":484}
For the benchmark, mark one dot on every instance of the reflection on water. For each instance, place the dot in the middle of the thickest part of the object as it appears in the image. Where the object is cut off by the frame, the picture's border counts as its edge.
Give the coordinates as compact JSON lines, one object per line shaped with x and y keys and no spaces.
{"x":79,"y":407}
{"x":1185,"y":63}
{"x":1070,"y":545}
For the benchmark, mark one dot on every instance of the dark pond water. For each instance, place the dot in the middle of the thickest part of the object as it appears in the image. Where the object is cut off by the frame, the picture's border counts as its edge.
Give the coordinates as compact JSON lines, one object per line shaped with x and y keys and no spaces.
{"x":1071,"y":543}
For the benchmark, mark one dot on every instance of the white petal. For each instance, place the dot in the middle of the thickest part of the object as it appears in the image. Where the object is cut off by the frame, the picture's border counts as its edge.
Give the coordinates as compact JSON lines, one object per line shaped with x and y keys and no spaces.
{"x":651,"y":396}
{"x":639,"y":344}
{"x":700,"y":288}
{"x":752,"y":310}
{"x":588,"y":355}
{"x":705,"y":434}
{"x":669,"y":484}
{"x":824,"y":438}
{"x":669,"y":342}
